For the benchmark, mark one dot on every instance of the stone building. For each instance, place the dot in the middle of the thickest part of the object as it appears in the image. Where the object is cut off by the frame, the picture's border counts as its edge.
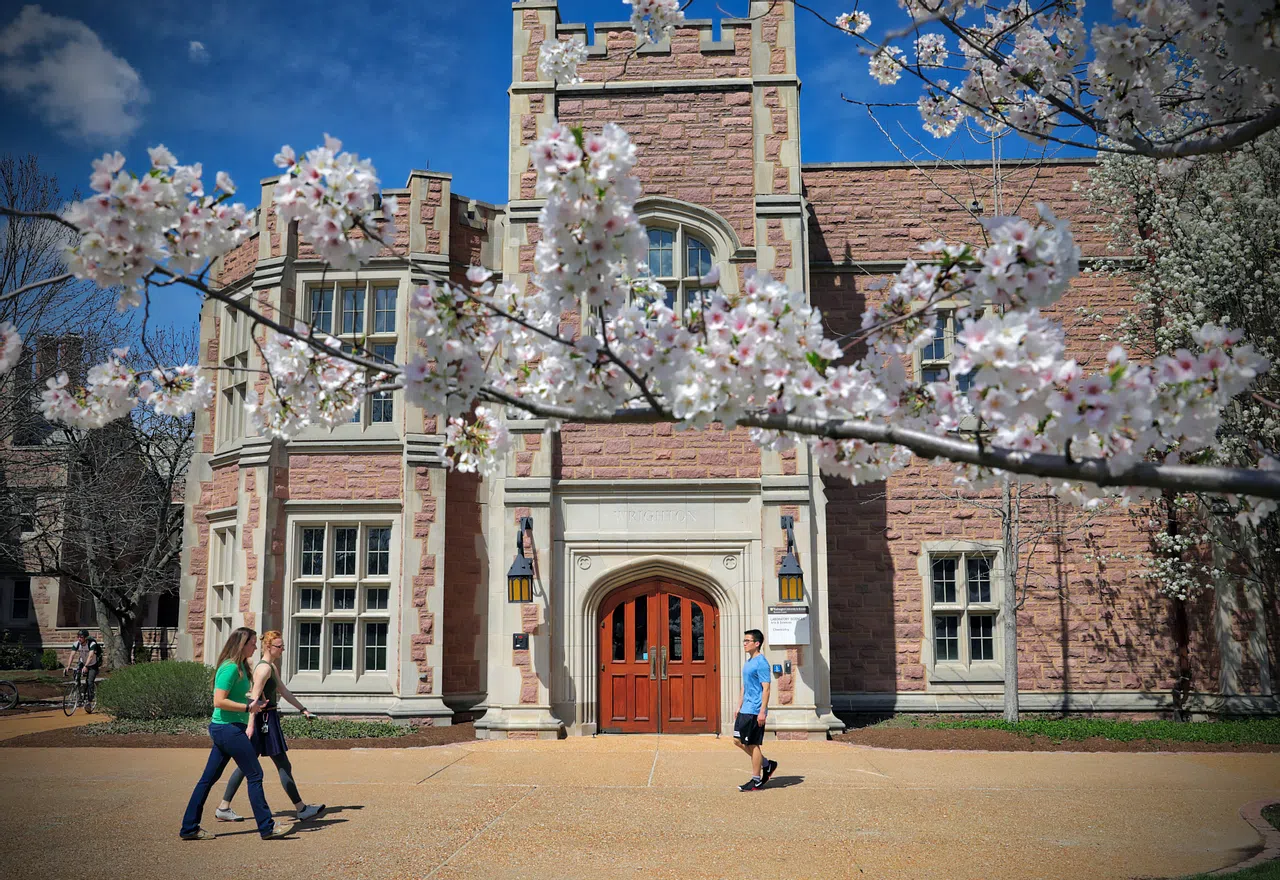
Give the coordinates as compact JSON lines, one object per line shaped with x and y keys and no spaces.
{"x":41,"y":605}
{"x":654,"y":549}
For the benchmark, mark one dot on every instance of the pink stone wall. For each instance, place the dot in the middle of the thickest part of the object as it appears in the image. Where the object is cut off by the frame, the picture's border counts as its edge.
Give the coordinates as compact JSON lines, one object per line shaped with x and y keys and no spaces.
{"x":464,"y":584}
{"x":694,"y":147}
{"x":855,"y":218}
{"x":336,"y":476}
{"x":640,"y":452}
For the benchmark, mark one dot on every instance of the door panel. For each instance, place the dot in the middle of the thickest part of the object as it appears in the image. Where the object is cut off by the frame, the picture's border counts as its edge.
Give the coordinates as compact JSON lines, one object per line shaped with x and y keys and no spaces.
{"x":658,"y":667}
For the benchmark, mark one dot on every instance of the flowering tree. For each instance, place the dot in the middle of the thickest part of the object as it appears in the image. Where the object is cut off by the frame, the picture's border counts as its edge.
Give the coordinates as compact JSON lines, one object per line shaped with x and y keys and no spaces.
{"x":1208,"y":236}
{"x":756,"y":358}
{"x":1164,"y":78}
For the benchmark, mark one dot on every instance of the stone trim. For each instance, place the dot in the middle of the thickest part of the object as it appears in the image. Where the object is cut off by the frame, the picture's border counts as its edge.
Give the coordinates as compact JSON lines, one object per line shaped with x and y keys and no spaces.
{"x":269,"y":273}
{"x":657,"y":488}
{"x":222,"y":514}
{"x":642,"y":86}
{"x":786,"y":489}
{"x":356,"y":507}
{"x":892,"y":267}
{"x":964,"y":163}
{"x":1252,"y":813}
{"x":1052,"y":701}
{"x":255,"y":452}
{"x":354,"y":446}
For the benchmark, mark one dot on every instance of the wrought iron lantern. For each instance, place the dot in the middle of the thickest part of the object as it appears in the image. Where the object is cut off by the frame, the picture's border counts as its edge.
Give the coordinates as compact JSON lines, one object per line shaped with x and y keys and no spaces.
{"x":520,"y":574}
{"x":790,"y":574}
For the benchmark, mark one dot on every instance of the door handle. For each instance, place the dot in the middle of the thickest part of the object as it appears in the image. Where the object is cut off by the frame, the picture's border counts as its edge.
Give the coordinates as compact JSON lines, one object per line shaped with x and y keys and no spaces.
{"x":663,"y":649}
{"x":653,"y":662}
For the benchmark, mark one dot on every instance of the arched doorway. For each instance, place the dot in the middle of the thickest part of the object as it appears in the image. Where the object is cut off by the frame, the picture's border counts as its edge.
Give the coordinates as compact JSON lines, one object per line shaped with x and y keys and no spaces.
{"x":659,"y":660}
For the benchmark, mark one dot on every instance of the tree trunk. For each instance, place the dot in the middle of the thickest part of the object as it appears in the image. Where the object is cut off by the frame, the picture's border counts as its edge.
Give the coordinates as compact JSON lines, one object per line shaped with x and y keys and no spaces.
{"x":1010,"y":605}
{"x":1181,"y":629}
{"x":114,"y":647}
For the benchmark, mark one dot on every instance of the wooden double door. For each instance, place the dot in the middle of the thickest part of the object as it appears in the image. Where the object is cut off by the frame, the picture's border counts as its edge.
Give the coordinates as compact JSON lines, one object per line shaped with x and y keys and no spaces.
{"x":659,"y":663}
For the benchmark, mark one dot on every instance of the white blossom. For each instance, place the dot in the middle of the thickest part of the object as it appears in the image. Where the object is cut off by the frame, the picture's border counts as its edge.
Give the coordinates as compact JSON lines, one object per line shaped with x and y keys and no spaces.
{"x":10,"y":347}
{"x":856,"y":22}
{"x":162,"y":218}
{"x":654,"y":20}
{"x":558,"y":60}
{"x":333,"y":196}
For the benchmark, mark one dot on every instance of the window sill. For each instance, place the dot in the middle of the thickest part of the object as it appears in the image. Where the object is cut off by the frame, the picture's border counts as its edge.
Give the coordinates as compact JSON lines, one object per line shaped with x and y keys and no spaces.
{"x":982,"y":672}
{"x":340,"y":683}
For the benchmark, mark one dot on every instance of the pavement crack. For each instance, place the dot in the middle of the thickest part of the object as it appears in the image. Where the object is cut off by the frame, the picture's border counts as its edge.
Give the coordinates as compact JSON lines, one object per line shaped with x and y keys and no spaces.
{"x":654,"y":768}
{"x":480,"y":833}
{"x":445,"y":767}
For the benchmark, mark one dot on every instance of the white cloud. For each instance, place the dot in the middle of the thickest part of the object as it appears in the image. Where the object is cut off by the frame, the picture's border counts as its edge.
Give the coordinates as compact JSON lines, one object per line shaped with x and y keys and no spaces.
{"x":197,"y":52}
{"x":74,"y":82}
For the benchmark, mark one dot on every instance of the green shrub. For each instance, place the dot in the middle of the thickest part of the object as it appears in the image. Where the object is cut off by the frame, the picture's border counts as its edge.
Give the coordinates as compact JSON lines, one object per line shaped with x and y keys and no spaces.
{"x":141,"y":653}
{"x":15,"y":655}
{"x":148,"y":691}
{"x":1247,"y":730}
{"x":49,"y":660}
{"x":297,"y":727}
{"x":160,"y":726}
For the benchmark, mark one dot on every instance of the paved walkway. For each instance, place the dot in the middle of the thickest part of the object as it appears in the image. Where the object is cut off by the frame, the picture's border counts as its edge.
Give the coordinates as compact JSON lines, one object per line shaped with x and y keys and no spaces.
{"x":645,"y":807}
{"x":22,"y":723}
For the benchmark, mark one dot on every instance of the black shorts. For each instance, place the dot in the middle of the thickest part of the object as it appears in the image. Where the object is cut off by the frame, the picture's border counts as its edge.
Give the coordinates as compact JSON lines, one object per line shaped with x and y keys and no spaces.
{"x":748,"y":730}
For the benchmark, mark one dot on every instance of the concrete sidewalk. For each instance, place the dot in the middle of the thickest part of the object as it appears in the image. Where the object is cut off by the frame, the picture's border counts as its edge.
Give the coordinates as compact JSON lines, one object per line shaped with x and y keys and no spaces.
{"x":22,"y":723}
{"x":651,"y":807}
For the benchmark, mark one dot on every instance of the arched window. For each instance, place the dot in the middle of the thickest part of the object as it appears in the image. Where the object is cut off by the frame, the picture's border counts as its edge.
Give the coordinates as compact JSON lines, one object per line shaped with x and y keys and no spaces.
{"x":678,"y":258}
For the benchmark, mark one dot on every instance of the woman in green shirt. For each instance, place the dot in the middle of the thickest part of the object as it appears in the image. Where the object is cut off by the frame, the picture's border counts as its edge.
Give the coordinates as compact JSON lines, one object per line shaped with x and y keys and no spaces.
{"x":231,"y":708}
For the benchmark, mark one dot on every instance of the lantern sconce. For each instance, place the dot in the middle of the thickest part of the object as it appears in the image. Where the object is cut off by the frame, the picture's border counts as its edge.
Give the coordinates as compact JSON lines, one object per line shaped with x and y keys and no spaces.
{"x":790,"y":574}
{"x":520,"y":574}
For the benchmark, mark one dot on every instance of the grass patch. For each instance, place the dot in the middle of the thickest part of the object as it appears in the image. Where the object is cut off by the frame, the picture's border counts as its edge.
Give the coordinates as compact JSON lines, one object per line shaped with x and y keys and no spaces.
{"x":1266,"y":871}
{"x":1252,"y":730}
{"x":1272,"y":815}
{"x":155,"y":727}
{"x":295,"y":727}
{"x":31,"y":676}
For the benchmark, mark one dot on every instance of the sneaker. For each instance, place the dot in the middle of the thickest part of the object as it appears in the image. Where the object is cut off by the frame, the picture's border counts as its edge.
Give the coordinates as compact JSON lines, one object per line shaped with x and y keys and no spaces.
{"x":277,"y":830}
{"x":200,"y":834}
{"x":751,"y":784}
{"x":227,"y":815}
{"x":310,"y":811}
{"x":768,"y":771}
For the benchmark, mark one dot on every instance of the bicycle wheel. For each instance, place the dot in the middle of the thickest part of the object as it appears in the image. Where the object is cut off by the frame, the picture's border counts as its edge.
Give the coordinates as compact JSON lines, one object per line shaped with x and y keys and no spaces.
{"x":70,"y":699}
{"x":8,"y":695}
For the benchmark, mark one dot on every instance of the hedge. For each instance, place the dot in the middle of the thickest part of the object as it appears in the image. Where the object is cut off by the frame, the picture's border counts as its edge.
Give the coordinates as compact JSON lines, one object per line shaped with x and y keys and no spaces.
{"x":150,"y":691}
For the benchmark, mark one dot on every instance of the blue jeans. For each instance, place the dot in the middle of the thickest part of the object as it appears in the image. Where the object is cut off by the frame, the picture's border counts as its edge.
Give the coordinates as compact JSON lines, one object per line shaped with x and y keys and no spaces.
{"x":229,"y":744}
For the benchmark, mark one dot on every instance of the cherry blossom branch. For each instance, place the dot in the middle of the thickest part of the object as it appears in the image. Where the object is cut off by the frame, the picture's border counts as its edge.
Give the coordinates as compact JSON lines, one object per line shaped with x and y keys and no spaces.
{"x":35,"y":285}
{"x":1100,"y":472}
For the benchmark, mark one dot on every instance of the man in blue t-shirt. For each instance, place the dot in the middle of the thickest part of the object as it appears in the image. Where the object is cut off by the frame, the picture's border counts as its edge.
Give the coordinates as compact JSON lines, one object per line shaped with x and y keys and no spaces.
{"x":748,"y":729}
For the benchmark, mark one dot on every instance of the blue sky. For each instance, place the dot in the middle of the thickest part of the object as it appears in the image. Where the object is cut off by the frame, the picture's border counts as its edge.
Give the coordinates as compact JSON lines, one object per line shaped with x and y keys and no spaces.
{"x":409,"y":83}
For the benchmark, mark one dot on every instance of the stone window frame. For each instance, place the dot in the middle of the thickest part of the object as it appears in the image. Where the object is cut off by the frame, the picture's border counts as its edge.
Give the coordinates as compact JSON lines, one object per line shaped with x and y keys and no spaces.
{"x":663,"y":212}
{"x":359,"y":678}
{"x":930,"y":359}
{"x":221,"y":598}
{"x":685,"y":281}
{"x":963,"y":670}
{"x":368,"y":338}
{"x":11,"y":598}
{"x":235,"y":339}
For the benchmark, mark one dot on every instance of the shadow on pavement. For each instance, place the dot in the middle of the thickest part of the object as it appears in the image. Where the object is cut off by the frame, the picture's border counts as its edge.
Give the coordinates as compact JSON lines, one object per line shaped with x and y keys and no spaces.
{"x":783,"y":782}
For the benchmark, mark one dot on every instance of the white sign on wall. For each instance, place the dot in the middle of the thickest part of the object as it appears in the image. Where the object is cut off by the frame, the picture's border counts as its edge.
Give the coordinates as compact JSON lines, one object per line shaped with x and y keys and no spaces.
{"x":788,"y":625}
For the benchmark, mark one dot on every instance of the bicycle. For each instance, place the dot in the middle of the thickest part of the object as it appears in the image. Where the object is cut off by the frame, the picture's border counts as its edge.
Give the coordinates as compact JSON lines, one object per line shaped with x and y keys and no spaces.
{"x":8,"y":695}
{"x":76,"y":695}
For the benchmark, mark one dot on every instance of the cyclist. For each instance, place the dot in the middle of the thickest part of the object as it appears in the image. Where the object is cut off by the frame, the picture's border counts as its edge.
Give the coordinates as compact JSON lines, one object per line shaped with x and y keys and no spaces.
{"x":86,"y":653}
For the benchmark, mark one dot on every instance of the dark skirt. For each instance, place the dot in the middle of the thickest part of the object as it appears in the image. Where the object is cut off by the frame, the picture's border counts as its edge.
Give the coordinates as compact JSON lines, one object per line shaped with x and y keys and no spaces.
{"x":267,"y":737}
